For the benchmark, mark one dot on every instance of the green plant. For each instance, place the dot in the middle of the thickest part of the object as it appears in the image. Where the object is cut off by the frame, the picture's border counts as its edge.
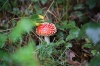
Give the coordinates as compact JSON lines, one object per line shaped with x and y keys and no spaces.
{"x":92,"y":3}
{"x":24,"y":26}
{"x":75,"y":42}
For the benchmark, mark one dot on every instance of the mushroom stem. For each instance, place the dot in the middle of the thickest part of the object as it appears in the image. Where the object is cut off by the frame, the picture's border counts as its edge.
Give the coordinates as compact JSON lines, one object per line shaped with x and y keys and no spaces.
{"x":47,"y":39}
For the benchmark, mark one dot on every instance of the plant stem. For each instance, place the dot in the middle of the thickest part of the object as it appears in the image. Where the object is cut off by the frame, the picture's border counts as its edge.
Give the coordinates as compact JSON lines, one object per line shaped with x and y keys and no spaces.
{"x":47,"y":39}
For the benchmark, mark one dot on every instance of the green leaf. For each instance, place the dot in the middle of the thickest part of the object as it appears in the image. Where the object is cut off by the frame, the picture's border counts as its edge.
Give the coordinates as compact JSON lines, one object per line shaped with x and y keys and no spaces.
{"x":28,"y":12}
{"x":92,"y":31}
{"x":49,"y":49}
{"x":79,"y":6}
{"x":71,"y":24}
{"x":23,"y":26}
{"x":58,"y":27}
{"x":35,"y":18}
{"x":15,"y":34}
{"x":43,"y":1}
{"x":2,"y":40}
{"x":4,"y":56}
{"x":26,"y":55}
{"x":94,"y":52}
{"x":87,"y":40}
{"x":59,"y":42}
{"x":73,"y":33}
{"x":68,"y":45}
{"x":38,"y":9}
{"x":26,"y":24}
{"x":91,"y":3}
{"x":61,"y":35}
{"x":64,"y":25}
{"x":78,"y":14}
{"x":95,"y":61}
{"x":60,"y":1}
{"x":16,"y":11}
{"x":93,"y":34}
{"x":87,"y":45}
{"x":70,"y":37}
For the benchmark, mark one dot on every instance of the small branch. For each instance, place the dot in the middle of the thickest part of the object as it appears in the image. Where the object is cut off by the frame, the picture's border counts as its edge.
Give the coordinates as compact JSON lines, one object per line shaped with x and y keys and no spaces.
{"x":48,"y":8}
{"x":5,"y":30}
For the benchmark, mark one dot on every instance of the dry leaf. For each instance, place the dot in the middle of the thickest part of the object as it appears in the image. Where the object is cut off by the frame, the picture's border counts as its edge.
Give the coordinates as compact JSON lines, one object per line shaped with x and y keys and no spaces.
{"x":70,"y":54}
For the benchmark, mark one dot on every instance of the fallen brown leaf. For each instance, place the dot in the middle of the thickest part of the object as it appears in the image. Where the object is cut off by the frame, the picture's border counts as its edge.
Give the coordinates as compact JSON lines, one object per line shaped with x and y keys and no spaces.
{"x":70,"y":55}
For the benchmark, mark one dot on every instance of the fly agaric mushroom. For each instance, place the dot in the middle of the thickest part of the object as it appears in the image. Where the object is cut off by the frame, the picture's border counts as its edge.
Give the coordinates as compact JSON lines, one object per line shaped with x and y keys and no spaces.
{"x":46,"y":30}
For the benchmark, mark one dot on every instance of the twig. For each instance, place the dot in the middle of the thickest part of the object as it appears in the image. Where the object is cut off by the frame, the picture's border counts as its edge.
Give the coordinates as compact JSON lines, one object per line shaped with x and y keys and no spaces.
{"x":3,"y":5}
{"x":5,"y":30}
{"x":48,"y":8}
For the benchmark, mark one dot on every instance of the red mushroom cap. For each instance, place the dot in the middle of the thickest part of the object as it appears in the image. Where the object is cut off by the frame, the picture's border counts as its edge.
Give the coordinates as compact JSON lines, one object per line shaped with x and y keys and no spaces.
{"x":46,"y":29}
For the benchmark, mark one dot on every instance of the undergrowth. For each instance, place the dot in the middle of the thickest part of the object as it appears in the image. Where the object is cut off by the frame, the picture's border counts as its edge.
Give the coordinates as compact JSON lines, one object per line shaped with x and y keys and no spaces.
{"x":76,"y":41}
